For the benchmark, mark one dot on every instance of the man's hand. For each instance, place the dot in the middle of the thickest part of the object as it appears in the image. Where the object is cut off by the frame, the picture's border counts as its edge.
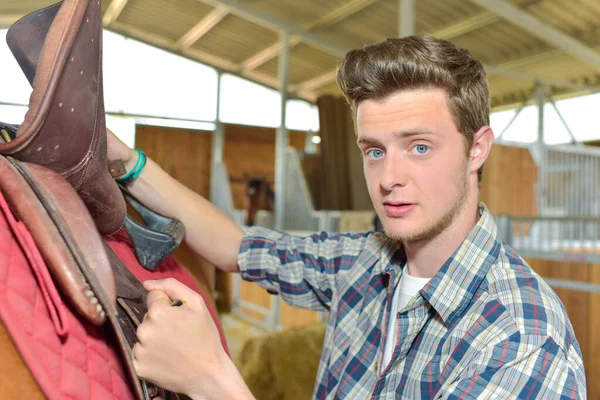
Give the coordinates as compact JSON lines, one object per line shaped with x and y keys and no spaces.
{"x":179,"y":348}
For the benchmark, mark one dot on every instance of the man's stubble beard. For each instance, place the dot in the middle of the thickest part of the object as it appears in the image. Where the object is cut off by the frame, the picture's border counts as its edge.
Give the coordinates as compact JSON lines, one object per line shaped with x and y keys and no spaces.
{"x":434,"y":228}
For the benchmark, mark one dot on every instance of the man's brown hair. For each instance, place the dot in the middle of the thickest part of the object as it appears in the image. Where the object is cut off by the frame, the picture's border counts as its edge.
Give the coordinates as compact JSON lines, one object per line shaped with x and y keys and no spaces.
{"x":416,"y":62}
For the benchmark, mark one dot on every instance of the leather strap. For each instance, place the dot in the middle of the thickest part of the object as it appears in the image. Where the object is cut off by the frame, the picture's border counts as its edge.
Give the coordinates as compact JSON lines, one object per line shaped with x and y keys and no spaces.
{"x":116,"y":168}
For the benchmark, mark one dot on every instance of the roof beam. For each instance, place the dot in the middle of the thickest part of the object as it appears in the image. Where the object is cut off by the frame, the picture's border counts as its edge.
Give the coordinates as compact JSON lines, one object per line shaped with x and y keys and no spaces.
{"x":202,"y":27}
{"x":308,"y":87}
{"x":532,"y":59}
{"x":316,"y":82}
{"x":327,"y":20}
{"x":113,"y":11}
{"x":339,"y":14}
{"x":521,"y":76}
{"x":271,"y":22}
{"x":465,"y":26}
{"x":538,"y":28}
{"x":267,"y":54}
{"x":199,"y":55}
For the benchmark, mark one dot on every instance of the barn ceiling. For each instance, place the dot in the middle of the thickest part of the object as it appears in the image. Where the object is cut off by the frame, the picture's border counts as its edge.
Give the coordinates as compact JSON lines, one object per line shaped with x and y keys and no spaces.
{"x":521,"y":42}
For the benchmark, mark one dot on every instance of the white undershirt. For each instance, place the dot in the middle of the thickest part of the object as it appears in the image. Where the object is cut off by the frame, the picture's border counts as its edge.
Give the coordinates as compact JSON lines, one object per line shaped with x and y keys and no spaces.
{"x":406,"y":289}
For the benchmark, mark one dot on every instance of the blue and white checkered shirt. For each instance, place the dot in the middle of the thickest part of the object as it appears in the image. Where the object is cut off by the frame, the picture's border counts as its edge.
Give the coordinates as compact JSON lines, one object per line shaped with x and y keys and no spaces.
{"x":485,"y":326}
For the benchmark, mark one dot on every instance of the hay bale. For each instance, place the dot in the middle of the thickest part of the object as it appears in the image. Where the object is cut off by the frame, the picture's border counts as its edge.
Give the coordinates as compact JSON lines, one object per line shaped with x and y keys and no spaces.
{"x":283,"y":365}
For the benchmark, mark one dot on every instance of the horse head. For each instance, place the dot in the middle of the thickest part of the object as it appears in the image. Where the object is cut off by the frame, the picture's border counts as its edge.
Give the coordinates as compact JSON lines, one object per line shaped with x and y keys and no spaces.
{"x":259,"y":195}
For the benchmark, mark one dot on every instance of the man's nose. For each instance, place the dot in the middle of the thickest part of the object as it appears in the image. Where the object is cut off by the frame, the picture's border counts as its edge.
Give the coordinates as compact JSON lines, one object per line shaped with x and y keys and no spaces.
{"x":394,"y":172}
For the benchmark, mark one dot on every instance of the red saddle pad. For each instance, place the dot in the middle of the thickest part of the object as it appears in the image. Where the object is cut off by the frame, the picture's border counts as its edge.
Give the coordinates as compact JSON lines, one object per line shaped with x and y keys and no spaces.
{"x":69,"y":357}
{"x":169,"y":268}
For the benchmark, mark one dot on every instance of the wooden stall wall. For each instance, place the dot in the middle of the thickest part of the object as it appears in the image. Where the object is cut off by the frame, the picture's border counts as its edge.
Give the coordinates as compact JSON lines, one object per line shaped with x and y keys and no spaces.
{"x":583,"y":309}
{"x":509,"y":179}
{"x":185,"y":155}
{"x":248,"y":151}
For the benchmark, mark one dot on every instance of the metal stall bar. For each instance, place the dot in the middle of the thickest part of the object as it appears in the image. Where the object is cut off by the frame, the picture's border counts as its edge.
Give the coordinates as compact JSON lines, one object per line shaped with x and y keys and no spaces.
{"x":562,"y":120}
{"x":512,"y":120}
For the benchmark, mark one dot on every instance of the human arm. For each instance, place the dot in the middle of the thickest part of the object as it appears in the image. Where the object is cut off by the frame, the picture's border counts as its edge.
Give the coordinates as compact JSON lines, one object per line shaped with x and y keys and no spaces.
{"x":179,"y":348}
{"x":304,"y":271}
{"x":209,"y":232}
{"x":307,"y":266}
{"x":532,"y":367}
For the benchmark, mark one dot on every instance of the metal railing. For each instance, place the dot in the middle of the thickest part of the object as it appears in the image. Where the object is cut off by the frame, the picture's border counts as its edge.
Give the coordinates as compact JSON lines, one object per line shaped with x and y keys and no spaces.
{"x":552,"y":238}
{"x":568,"y":180}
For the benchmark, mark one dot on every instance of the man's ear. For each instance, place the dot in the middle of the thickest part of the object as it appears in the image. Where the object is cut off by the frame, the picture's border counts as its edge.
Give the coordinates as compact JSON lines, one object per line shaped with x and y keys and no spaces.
{"x":481,"y":147}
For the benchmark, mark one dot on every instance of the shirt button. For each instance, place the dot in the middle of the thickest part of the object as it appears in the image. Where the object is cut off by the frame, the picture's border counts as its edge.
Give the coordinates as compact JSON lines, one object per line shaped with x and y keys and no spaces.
{"x":376,"y":366}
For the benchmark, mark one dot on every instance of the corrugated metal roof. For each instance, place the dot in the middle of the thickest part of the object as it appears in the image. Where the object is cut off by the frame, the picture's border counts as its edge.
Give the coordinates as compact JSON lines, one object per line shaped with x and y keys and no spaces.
{"x":151,"y":16}
{"x":242,"y":36}
{"x":236,"y":39}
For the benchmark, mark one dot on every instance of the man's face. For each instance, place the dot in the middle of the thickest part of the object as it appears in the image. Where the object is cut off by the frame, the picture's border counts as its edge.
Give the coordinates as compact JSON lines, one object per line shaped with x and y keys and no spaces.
{"x":415,"y":162}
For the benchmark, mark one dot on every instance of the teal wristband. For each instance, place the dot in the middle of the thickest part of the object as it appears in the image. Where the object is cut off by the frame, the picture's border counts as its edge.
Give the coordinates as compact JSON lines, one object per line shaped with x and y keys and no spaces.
{"x":135,"y":171}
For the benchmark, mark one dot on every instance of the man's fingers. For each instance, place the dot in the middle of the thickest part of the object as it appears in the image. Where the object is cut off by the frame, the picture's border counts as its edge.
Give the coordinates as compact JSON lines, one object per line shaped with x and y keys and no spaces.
{"x":174,"y":289}
{"x":156,"y":298}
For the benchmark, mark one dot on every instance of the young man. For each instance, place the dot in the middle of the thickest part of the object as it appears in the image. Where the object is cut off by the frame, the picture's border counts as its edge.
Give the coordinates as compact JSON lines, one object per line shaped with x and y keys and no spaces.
{"x":435,"y":307}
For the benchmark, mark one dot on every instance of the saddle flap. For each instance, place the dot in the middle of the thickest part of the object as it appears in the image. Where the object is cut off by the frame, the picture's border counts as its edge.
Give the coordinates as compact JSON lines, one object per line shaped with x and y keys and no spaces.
{"x":64,"y":128}
{"x":62,"y":228}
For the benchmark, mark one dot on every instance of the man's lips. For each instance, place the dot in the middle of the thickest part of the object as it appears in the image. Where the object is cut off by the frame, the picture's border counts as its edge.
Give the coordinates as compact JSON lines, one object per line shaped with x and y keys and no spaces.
{"x":398,"y":209}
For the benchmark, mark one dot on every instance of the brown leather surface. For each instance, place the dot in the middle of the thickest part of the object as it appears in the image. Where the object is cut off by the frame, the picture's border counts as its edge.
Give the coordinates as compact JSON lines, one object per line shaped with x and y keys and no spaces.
{"x":117,"y":168}
{"x":65,"y":127}
{"x":34,"y":27}
{"x":65,"y":204}
{"x":16,"y":382}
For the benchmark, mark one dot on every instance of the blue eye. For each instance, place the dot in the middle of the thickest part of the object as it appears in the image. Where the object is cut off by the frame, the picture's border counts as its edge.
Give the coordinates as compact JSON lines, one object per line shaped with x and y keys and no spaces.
{"x":375,"y":153}
{"x":421,"y":149}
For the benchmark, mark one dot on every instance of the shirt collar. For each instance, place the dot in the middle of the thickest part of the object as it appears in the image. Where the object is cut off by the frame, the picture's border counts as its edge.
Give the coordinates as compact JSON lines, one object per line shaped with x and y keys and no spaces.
{"x":452,"y":288}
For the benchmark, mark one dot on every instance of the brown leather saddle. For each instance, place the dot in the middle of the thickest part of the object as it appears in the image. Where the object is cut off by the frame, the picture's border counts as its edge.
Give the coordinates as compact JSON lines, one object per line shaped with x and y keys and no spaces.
{"x":54,"y":174}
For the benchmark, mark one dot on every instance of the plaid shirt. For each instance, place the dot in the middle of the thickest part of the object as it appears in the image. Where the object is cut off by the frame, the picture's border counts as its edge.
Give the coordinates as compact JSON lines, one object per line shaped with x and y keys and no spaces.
{"x":485,"y":326}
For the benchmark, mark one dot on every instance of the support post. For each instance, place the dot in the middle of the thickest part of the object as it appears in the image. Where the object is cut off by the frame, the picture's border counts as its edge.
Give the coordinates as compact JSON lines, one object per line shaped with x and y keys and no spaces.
{"x":540,"y":153}
{"x":217,"y":141}
{"x":541,"y":100}
{"x":406,"y":18}
{"x":281,"y":142}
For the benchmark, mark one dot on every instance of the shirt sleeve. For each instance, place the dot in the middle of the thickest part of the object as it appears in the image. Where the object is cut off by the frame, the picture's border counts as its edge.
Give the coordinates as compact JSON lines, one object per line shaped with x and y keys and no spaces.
{"x":534,"y":368}
{"x":303,"y":270}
